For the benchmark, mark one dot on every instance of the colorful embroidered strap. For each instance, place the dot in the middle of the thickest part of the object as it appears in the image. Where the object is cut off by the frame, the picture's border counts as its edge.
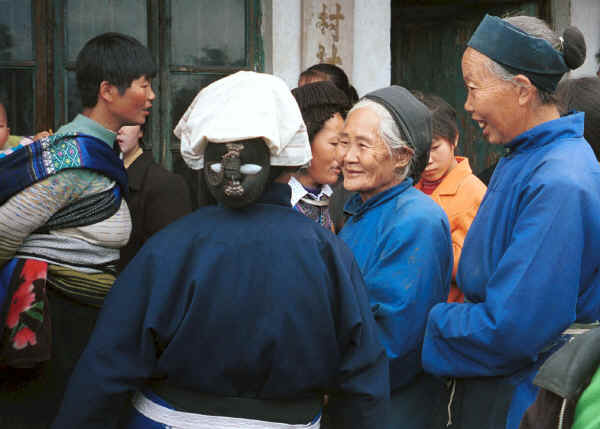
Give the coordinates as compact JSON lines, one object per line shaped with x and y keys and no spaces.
{"x":46,"y":157}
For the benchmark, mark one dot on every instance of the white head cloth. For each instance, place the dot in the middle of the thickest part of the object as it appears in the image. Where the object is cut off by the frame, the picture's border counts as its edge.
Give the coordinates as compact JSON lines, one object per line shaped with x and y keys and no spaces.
{"x":242,"y":106}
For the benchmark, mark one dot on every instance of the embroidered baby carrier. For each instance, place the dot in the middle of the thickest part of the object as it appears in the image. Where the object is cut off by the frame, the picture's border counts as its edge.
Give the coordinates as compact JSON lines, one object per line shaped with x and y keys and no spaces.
{"x":24,"y":317}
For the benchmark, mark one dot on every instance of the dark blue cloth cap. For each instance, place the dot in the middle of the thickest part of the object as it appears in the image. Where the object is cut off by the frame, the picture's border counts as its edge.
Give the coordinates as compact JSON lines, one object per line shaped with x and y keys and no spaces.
{"x":519,"y":52}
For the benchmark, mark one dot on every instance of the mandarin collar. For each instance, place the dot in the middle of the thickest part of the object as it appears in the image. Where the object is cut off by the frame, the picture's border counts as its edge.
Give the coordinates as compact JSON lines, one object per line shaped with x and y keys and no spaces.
{"x":568,"y":126}
{"x":356,"y":206}
{"x":84,"y":125}
{"x":299,"y":191}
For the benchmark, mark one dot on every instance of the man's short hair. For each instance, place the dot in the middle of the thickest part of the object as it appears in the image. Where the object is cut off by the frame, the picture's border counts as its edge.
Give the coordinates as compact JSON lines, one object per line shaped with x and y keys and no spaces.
{"x":113,"y":57}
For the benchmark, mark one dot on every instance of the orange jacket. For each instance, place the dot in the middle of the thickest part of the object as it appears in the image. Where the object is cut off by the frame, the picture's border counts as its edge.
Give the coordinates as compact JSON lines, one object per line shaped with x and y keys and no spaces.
{"x":459,"y":194}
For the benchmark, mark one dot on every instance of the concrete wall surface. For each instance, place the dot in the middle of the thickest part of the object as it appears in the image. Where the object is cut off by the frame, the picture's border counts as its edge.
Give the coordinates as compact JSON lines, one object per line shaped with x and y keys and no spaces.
{"x":585,"y":14}
{"x":282,"y":36}
{"x":372,"y":48}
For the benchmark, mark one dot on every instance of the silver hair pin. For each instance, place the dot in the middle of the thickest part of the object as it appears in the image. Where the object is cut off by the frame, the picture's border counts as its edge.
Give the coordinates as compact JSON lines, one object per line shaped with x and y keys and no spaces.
{"x":562,"y":42}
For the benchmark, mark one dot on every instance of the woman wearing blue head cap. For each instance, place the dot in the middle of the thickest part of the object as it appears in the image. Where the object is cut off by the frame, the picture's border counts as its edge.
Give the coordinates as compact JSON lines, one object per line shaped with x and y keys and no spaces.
{"x":530,"y":266}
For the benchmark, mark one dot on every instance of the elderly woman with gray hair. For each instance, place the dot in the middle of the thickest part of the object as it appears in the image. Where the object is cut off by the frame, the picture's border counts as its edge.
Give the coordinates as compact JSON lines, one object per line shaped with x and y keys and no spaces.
{"x":529,"y":266}
{"x":400,"y":237}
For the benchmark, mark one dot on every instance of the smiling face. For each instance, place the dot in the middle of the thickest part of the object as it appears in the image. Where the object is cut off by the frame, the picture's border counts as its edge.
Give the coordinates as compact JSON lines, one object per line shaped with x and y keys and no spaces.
{"x":324,"y":167}
{"x":491,"y":101}
{"x":368,"y":164}
{"x":133,"y":106}
{"x":441,"y":159}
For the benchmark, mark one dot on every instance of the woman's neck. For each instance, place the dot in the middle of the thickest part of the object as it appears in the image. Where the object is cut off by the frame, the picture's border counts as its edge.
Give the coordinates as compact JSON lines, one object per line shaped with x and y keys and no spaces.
{"x":307,"y":181}
{"x":132,"y":156}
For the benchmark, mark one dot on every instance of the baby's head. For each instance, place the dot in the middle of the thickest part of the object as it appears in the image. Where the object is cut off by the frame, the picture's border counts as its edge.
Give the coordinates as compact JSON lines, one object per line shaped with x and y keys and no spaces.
{"x":4,"y":130}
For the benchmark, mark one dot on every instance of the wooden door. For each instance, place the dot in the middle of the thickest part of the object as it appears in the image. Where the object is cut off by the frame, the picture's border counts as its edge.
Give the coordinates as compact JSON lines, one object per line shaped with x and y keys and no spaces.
{"x":428,"y":40}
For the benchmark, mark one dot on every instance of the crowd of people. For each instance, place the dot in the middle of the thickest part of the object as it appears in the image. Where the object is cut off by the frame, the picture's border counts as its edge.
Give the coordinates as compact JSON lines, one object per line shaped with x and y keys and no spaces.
{"x":352,"y":273}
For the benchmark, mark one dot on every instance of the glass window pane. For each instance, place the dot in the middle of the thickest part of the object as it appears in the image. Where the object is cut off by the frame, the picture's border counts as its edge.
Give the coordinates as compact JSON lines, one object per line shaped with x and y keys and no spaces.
{"x":16,"y":91}
{"x":74,"y":105}
{"x":88,"y":18}
{"x":184,"y":88}
{"x":16,"y":43}
{"x":208,"y":32}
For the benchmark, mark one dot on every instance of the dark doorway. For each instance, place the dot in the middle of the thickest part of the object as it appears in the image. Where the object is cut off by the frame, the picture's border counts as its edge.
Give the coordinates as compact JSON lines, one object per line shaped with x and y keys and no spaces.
{"x":428,"y":40}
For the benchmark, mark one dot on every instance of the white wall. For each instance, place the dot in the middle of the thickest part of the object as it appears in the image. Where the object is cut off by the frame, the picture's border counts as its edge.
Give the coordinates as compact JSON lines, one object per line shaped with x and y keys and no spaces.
{"x":282,"y":36}
{"x":585,"y":14}
{"x":372,"y":49}
{"x":286,"y":40}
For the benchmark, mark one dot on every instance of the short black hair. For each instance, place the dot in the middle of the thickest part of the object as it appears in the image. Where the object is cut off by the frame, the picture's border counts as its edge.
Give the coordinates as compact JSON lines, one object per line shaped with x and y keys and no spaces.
{"x":116,"y":58}
{"x":319,"y":102}
{"x":333,"y":74}
{"x":443,"y":116}
{"x":582,"y":94}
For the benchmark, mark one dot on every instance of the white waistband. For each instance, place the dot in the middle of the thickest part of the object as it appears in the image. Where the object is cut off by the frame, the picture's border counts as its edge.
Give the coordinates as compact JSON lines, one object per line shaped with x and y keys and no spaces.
{"x":182,"y":420}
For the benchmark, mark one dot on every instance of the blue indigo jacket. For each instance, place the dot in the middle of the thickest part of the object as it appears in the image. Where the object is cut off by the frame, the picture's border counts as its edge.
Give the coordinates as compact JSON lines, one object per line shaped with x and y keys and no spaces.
{"x":530,"y":265}
{"x":401,"y":240}
{"x":260,"y":302}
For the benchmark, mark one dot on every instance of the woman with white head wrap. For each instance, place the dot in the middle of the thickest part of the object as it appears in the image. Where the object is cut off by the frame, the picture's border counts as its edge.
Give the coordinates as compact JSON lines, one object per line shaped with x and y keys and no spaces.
{"x":241,"y":314}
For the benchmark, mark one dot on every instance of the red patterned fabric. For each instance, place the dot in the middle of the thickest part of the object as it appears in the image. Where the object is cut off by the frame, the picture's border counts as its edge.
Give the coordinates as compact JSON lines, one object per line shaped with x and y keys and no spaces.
{"x":25,"y":339}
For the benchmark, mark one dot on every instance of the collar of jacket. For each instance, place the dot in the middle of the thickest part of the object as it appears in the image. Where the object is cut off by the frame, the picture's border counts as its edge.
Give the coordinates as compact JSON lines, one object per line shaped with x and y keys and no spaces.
{"x":278,"y":194}
{"x":452,"y":181}
{"x":299,"y":191}
{"x":356,"y":206}
{"x":568,"y":126}
{"x":568,"y":370}
{"x":137,"y":175}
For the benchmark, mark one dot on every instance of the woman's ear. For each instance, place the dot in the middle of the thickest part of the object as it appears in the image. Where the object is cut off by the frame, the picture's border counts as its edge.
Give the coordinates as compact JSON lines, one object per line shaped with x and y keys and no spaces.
{"x":454,"y":144}
{"x":526,"y":89}
{"x":403,"y":156}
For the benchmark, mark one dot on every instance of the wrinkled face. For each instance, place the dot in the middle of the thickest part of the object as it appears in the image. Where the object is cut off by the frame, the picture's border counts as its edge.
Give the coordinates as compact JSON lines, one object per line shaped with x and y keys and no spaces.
{"x":368,"y":165}
{"x":4,"y":130}
{"x":324,"y":167}
{"x":441,"y":159}
{"x":128,"y":138}
{"x":133,"y":106}
{"x":491,"y":101}
{"x":237,"y":173}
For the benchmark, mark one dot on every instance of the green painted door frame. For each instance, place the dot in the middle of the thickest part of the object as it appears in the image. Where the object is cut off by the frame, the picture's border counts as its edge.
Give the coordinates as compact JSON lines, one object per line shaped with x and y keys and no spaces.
{"x":159,"y":130}
{"x":428,"y":40}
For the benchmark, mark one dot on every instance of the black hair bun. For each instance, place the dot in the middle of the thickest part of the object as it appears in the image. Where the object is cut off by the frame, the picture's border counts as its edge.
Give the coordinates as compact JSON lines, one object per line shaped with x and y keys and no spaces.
{"x":574,"y":49}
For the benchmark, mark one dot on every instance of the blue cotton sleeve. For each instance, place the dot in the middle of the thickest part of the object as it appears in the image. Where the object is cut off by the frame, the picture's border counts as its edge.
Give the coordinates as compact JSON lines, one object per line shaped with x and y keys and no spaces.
{"x":360,"y":397}
{"x":137,"y":319}
{"x":410,"y":276}
{"x":529,"y":299}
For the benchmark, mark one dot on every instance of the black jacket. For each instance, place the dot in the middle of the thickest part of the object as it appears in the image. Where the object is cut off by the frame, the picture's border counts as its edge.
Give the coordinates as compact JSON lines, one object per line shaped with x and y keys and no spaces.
{"x":563,"y":378}
{"x":157,"y":197}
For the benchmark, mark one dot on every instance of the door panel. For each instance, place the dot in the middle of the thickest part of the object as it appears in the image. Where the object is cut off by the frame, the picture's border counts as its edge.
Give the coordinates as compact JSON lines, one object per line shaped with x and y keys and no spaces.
{"x":428,"y":40}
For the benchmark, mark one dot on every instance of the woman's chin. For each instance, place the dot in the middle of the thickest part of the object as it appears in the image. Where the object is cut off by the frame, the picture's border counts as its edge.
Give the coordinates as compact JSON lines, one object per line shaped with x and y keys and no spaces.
{"x":431,"y":177}
{"x":328,"y":180}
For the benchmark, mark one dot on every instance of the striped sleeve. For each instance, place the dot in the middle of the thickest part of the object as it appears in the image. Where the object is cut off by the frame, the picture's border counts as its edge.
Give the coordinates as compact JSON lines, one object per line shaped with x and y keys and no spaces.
{"x":31,"y":208}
